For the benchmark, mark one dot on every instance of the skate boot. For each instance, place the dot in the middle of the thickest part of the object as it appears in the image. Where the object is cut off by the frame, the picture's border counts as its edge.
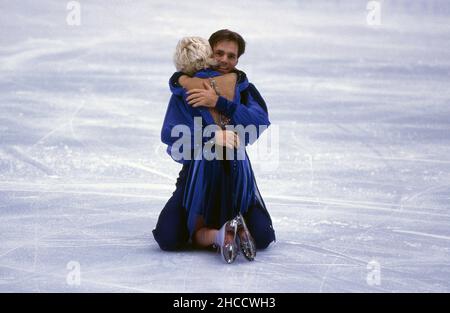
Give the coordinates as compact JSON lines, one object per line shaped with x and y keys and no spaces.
{"x":245,"y":239}
{"x":228,"y":247}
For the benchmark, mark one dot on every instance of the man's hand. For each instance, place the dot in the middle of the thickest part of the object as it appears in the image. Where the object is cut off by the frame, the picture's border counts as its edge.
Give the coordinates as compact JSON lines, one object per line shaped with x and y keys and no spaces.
{"x":227,"y":138}
{"x":202,"y":97}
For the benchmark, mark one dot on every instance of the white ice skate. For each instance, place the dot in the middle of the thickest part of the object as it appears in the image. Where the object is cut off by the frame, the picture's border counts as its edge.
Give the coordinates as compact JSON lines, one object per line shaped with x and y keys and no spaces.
{"x":245,"y":239}
{"x":228,"y":248}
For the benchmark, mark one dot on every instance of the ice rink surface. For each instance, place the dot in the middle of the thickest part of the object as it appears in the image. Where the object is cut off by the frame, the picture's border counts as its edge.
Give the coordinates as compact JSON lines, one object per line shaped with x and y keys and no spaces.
{"x":358,"y":186}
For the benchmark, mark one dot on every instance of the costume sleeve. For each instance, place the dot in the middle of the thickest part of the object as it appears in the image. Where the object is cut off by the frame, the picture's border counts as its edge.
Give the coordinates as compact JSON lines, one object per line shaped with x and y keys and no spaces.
{"x":253,"y":112}
{"x":173,"y":81}
{"x":178,"y":131}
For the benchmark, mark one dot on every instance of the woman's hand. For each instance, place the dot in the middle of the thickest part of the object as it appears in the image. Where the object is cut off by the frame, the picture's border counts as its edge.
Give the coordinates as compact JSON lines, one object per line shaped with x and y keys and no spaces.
{"x":227,"y":138}
{"x":202,"y":97}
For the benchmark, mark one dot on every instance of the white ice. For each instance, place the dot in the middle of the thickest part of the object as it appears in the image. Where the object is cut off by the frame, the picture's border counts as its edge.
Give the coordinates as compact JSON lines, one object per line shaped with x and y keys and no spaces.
{"x":359,"y":193}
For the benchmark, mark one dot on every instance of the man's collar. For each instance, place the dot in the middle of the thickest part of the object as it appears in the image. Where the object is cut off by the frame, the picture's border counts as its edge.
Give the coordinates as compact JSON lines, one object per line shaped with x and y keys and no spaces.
{"x":206,"y":73}
{"x":241,"y":76}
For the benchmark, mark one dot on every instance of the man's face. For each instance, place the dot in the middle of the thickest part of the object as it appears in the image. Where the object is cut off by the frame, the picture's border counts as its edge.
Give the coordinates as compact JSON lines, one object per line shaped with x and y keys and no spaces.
{"x":226,"y":55}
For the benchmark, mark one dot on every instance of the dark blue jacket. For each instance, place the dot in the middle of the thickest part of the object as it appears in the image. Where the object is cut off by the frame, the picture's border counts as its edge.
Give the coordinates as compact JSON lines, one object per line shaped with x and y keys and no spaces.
{"x":247,"y":108}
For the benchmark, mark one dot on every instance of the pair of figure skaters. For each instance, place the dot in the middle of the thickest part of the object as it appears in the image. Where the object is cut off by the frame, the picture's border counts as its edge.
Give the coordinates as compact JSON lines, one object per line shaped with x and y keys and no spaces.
{"x":216,"y":202}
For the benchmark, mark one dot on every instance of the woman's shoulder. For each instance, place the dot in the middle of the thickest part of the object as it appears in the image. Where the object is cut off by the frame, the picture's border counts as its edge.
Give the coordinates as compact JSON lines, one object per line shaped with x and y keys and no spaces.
{"x":228,"y":79}
{"x":240,"y":76}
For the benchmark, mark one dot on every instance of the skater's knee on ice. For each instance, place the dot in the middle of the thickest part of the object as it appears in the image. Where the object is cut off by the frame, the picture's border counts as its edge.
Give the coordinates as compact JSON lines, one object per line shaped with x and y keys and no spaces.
{"x":170,"y":241}
{"x":263,"y":237}
{"x":263,"y":244}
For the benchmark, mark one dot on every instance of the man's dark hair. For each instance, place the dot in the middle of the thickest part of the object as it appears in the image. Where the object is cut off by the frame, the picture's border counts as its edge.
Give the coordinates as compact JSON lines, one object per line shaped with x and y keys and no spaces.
{"x":226,"y":34}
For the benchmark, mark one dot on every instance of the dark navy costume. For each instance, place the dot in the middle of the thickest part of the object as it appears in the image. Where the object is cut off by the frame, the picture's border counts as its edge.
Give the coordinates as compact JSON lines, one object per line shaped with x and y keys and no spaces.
{"x":215,"y":190}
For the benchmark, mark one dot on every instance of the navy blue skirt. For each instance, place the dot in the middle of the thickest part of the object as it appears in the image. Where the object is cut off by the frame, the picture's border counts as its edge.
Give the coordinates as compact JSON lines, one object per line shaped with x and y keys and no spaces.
{"x":217,"y":190}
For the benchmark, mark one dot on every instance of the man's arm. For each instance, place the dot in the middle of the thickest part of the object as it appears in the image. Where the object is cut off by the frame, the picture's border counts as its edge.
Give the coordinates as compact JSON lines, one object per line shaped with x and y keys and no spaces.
{"x":251,"y":111}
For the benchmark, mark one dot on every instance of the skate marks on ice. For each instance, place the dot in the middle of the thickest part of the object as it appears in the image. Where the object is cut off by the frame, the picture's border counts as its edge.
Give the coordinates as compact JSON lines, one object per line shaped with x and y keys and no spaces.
{"x":363,"y":175}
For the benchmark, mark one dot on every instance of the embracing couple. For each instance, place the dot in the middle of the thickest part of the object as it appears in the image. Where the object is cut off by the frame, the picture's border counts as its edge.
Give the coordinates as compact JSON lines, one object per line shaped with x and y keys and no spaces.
{"x":216,"y":202}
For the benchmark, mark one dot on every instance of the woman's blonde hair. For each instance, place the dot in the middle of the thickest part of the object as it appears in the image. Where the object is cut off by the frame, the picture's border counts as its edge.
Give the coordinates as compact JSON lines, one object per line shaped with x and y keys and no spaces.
{"x":193,"y":54}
